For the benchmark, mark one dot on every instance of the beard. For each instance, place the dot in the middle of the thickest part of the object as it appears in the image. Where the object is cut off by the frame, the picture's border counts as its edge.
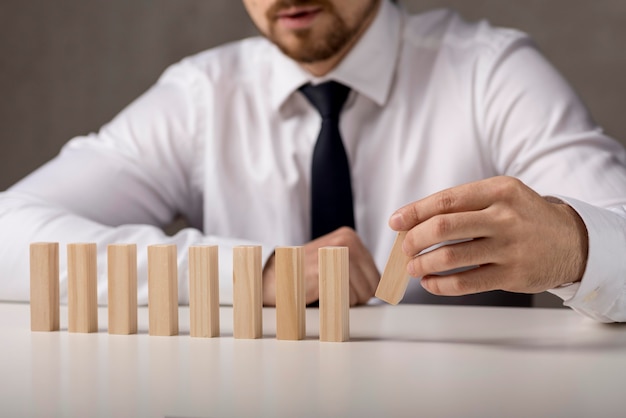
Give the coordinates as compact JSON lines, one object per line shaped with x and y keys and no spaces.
{"x":328,"y":39}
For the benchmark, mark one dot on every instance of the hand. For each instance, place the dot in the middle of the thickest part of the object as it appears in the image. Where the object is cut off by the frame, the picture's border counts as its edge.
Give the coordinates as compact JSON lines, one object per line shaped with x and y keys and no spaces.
{"x":364,"y":275}
{"x":517,"y":240}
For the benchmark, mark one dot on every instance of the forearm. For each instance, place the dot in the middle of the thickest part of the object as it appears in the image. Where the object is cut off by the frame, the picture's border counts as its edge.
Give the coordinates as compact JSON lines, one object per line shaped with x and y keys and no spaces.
{"x":26,"y":219}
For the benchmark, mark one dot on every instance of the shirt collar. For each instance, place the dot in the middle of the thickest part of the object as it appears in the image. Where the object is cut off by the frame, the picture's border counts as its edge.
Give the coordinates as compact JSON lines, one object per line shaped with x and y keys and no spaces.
{"x":368,"y":68}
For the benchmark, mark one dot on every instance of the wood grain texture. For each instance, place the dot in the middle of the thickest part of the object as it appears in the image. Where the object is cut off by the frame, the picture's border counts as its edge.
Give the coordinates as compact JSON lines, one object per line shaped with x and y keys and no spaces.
{"x":204,"y":300}
{"x":82,"y":292}
{"x":162,"y":290}
{"x":334,"y":294}
{"x":44,"y":286}
{"x":290,"y":296}
{"x":122,"y":285}
{"x":247,"y":292}
{"x":395,"y":279}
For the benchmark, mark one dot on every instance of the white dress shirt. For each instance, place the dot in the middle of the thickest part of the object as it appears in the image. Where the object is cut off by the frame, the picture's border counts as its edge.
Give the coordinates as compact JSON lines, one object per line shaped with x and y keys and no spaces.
{"x":225,"y":139}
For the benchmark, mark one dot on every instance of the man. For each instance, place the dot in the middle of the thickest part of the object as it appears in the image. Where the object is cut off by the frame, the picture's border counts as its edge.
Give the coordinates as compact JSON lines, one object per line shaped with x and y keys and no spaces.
{"x":459,"y":133}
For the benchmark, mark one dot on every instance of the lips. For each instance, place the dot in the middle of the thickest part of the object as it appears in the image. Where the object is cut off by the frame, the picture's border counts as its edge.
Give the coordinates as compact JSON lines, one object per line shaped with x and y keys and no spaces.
{"x":298,"y":17}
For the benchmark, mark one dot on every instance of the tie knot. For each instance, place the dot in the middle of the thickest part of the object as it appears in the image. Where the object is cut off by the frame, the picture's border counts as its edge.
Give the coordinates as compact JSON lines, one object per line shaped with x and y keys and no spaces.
{"x":328,"y":98}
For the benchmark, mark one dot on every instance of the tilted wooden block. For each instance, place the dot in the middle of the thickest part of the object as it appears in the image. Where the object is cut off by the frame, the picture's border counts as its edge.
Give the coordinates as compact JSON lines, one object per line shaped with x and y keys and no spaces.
{"x":247,"y":292}
{"x":334,"y":294}
{"x":122,"y":285}
{"x":290,"y":297}
{"x":162,"y":290}
{"x":204,"y":300}
{"x":82,"y":292}
{"x":44,"y":286}
{"x":395,"y":278}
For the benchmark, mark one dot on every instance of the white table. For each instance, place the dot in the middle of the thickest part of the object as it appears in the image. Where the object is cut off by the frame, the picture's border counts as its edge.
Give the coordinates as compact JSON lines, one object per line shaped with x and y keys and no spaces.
{"x":417,"y":361}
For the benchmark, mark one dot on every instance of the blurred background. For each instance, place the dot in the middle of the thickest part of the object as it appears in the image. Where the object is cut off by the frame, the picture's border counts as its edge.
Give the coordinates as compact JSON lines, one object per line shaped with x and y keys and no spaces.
{"x":68,"y":66}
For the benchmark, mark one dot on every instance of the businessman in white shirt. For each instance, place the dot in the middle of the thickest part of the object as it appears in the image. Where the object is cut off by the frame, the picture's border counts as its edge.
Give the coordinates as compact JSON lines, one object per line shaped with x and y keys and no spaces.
{"x":457,"y":132}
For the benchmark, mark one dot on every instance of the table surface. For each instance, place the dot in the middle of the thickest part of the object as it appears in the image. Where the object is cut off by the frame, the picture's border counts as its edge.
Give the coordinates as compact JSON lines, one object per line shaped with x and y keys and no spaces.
{"x":406,"y":360}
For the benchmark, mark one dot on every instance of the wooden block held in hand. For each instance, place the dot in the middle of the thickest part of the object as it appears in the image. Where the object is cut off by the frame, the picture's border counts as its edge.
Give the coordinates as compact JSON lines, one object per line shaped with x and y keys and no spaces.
{"x":82,"y":291}
{"x":122,"y":285}
{"x":395,"y":278}
{"x":44,"y":286}
{"x":334,"y":294}
{"x":162,"y":290}
{"x":290,"y":297}
{"x":204,"y":300}
{"x":247,"y":292}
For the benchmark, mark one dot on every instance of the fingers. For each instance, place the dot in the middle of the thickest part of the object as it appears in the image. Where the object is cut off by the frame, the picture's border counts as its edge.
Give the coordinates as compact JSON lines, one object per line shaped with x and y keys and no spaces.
{"x":311,"y":290}
{"x":269,"y":282}
{"x":364,"y":274}
{"x":520,"y":241}
{"x":448,"y":227}
{"x":311,"y":274}
{"x":452,"y":257}
{"x":354,"y":298}
{"x":480,"y":279}
{"x":477,"y":280}
{"x":468,"y":197}
{"x":362,"y":284}
{"x":463,"y":198}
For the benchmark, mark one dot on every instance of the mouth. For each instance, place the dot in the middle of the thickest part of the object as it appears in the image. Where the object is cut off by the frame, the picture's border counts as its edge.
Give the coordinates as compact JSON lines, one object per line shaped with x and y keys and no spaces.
{"x":298,"y":17}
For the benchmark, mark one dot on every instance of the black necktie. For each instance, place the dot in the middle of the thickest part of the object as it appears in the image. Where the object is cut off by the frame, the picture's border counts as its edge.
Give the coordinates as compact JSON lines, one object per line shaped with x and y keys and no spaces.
{"x":331,"y":190}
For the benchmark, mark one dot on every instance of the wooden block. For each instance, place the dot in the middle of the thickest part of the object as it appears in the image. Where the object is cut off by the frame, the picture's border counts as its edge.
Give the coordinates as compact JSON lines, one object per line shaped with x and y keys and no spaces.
{"x":44,"y":286}
{"x":162,"y":290}
{"x":122,"y":274}
{"x":82,"y":291}
{"x":290,"y":297}
{"x":247,"y":292}
{"x":204,"y":300}
{"x":334,"y":294}
{"x":395,"y":278}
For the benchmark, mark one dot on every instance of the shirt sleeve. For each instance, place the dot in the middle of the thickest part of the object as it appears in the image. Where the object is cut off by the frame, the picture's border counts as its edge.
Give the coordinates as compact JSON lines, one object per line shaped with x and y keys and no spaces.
{"x":120,"y":185}
{"x":544,"y":135}
{"x":601,"y":294}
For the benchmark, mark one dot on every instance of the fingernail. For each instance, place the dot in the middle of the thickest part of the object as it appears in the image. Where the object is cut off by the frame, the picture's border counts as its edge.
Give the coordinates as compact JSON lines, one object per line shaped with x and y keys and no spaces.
{"x":396,"y":221}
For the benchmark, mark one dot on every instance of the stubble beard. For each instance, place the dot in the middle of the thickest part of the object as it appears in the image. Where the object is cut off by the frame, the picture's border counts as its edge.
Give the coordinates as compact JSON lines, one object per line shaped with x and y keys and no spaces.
{"x":330,"y":39}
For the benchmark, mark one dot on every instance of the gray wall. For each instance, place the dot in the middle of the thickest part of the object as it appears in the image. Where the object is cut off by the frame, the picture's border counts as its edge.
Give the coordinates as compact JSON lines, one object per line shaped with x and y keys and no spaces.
{"x":584,"y":39}
{"x":68,"y":66}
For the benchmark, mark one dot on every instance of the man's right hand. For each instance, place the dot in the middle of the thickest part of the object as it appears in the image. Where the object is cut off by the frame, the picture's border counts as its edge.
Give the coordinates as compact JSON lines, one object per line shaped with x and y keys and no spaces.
{"x":364,"y":275}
